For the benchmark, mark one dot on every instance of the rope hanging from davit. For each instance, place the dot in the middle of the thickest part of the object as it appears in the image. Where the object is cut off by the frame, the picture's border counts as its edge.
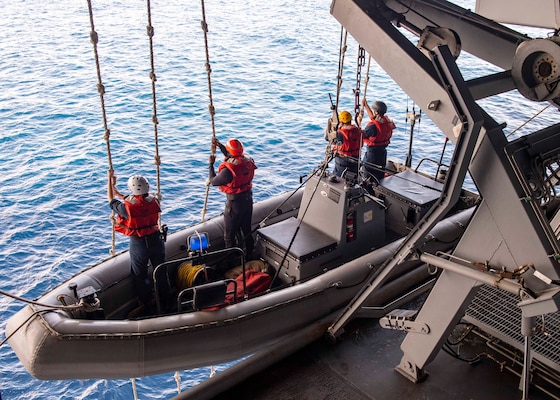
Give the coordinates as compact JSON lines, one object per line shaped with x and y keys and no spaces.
{"x":157,"y":160}
{"x":211,"y":108}
{"x":332,"y":123}
{"x":94,"y":38}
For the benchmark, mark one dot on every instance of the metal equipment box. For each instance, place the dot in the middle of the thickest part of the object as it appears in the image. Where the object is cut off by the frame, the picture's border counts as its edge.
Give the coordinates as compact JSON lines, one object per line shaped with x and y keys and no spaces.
{"x":300,"y":258}
{"x":408,"y":196}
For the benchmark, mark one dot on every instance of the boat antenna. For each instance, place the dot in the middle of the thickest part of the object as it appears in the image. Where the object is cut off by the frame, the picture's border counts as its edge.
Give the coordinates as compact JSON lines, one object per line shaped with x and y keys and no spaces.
{"x":441,"y":159}
{"x":412,"y":117}
{"x":211,"y":108}
{"x":94,"y":38}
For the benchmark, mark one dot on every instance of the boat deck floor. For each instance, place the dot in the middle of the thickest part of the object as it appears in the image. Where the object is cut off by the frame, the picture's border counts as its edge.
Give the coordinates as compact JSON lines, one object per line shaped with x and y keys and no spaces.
{"x":361,"y":366}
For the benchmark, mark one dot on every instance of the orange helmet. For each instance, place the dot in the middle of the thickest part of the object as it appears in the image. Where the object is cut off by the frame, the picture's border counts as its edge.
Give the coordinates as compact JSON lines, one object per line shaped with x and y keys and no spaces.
{"x":234,"y":147}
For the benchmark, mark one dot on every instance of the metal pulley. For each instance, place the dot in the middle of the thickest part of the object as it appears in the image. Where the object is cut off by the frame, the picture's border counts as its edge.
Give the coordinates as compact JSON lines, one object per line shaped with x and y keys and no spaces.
{"x":432,"y":37}
{"x":536,"y":69}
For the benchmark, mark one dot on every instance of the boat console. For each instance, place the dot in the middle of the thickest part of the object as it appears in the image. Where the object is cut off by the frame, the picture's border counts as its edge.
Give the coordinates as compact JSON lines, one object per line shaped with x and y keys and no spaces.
{"x":337,"y":221}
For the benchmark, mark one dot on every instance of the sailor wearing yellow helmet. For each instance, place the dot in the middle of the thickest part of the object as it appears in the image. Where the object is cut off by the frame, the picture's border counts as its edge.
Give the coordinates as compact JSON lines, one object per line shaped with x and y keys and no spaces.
{"x":347,"y":145}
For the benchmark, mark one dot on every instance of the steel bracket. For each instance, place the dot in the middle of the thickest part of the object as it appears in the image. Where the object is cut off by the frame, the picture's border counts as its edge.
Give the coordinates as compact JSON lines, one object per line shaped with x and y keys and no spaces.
{"x":403,"y":320}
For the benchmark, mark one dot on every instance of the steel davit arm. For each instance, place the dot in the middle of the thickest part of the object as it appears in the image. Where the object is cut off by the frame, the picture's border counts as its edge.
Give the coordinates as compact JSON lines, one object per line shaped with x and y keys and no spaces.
{"x":468,"y":127}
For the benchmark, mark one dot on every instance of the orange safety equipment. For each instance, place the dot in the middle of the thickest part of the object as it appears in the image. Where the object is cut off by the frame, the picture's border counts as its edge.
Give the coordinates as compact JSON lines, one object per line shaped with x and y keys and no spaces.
{"x":351,"y":141}
{"x":143,"y":213}
{"x":384,"y":132}
{"x":234,"y":147}
{"x":243,"y":169}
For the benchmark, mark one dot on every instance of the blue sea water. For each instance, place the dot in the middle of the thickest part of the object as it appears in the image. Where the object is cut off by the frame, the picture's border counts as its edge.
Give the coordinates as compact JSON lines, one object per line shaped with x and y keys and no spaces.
{"x":274,"y":65}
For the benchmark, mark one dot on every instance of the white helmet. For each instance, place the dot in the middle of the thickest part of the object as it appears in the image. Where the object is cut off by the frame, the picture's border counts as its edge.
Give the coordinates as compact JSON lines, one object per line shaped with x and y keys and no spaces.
{"x":138,"y":185}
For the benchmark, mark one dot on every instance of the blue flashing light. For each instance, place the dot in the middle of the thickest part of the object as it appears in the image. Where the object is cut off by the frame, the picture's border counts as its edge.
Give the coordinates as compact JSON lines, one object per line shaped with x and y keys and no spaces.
{"x":198,"y":241}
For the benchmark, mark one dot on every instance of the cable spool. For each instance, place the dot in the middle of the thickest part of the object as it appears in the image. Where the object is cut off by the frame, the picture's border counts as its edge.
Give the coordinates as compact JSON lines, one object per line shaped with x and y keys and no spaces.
{"x":189,"y":275}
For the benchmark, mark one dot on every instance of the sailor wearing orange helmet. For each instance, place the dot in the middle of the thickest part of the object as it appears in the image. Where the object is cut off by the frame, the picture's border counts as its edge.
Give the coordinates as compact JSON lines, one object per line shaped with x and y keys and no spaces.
{"x":235,"y":179}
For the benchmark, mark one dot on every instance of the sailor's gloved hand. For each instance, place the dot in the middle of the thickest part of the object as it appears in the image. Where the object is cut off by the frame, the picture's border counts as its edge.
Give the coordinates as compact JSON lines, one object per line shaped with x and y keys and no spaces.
{"x":211,"y":159}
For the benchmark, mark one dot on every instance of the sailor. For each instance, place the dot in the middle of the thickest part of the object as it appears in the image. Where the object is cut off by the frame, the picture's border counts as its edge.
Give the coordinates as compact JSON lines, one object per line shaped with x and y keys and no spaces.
{"x":347,"y":145}
{"x":377,"y":136}
{"x":137,"y":217}
{"x":235,"y":179}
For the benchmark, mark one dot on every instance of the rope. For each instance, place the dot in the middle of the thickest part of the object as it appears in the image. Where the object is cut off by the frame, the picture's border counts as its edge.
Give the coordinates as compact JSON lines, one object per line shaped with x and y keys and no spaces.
{"x":322,"y":169}
{"x":49,"y":307}
{"x":211,"y":108}
{"x":412,"y":117}
{"x":341,"y":54}
{"x":360,"y":115}
{"x":332,"y":123}
{"x":134,"y":391}
{"x":36,"y":303}
{"x":94,"y":38}
{"x":366,"y":82}
{"x":157,"y":160}
{"x":187,"y":273}
{"x":526,"y":122}
{"x":178,"y":381}
{"x":33,"y":315}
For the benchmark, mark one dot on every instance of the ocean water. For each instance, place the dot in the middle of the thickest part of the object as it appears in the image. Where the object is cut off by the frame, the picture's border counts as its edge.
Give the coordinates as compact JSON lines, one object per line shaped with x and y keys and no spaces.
{"x":273,"y":67}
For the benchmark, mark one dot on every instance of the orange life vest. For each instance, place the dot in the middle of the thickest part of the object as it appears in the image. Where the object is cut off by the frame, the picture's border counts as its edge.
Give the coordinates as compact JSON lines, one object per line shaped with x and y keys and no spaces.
{"x":351,"y":143}
{"x":384,"y":132}
{"x":243,"y":169}
{"x":142,"y":216}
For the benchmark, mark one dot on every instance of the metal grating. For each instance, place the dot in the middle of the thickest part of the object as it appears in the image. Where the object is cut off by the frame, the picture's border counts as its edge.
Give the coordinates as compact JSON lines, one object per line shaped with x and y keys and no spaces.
{"x":496,"y":312}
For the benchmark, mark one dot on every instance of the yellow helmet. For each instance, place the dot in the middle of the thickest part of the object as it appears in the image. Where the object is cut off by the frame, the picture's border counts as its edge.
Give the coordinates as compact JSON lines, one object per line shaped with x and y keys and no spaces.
{"x":344,"y":117}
